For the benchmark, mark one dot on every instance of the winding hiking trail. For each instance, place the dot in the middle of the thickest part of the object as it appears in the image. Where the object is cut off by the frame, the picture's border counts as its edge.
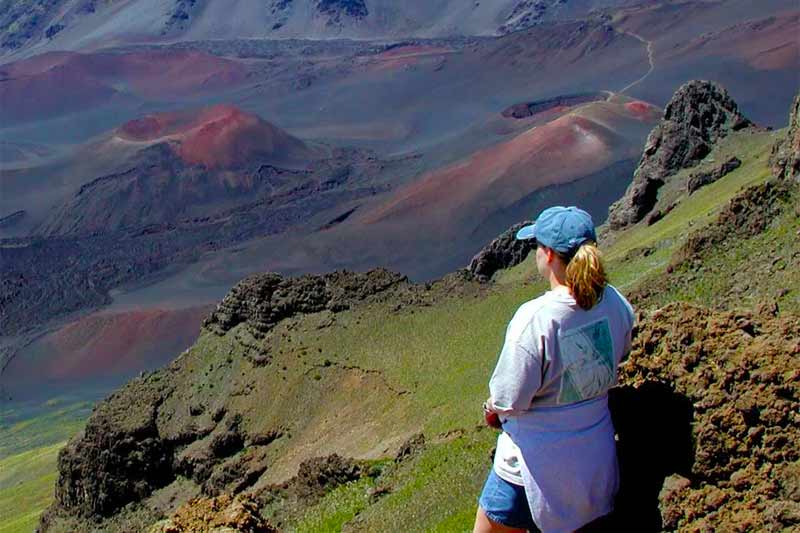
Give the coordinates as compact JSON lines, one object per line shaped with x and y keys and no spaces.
{"x":649,"y":58}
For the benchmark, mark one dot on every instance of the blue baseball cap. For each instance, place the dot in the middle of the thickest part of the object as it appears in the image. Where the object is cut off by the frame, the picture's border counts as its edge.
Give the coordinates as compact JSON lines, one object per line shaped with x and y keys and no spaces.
{"x":563,"y":229}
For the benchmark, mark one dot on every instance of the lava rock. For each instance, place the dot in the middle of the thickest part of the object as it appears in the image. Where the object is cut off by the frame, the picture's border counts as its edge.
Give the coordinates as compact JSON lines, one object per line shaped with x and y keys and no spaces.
{"x":503,"y":252}
{"x":785,"y":158}
{"x":744,"y":392}
{"x":221,"y":514}
{"x":698,"y":115}
{"x":701,"y":179}
{"x":319,"y":475}
{"x":263,"y":300}
{"x":120,"y":456}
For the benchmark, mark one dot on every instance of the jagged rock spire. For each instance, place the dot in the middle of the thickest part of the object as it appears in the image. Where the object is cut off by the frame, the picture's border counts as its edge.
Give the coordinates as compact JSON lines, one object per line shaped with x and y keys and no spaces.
{"x":698,"y":115}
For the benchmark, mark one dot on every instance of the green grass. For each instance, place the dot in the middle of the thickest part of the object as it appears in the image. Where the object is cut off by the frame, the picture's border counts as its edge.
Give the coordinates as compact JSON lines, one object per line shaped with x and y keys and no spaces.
{"x":30,"y":439}
{"x":55,"y":422}
{"x":337,"y":508}
{"x":762,"y":268}
{"x":434,"y":491}
{"x":26,"y":487}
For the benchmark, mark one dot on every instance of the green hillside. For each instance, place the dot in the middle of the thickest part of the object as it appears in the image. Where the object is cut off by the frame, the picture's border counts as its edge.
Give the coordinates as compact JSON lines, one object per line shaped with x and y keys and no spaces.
{"x":361,"y":382}
{"x":29,"y":448}
{"x":445,"y":354}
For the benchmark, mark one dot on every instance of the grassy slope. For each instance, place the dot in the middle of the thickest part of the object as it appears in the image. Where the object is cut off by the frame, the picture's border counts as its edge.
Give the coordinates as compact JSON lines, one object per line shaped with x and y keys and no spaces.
{"x":426,"y":369}
{"x":29,"y":448}
{"x":26,"y":487}
{"x":446,"y":353}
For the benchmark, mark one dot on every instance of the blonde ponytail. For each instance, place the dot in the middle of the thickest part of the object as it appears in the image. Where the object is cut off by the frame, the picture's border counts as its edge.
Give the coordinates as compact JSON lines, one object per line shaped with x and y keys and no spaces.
{"x":586,"y":277}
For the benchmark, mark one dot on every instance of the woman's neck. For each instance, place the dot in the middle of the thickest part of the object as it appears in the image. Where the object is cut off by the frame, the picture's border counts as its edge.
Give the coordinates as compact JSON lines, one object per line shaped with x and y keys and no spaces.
{"x":556,"y":281}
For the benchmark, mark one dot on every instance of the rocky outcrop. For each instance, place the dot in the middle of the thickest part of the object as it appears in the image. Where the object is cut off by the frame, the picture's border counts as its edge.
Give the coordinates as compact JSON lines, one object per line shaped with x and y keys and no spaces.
{"x":180,"y":14}
{"x":698,"y":115}
{"x":701,"y":179}
{"x":785,"y":158}
{"x":336,"y":10}
{"x":741,"y":375}
{"x":503,"y":252}
{"x":319,"y":475}
{"x":262,"y":300}
{"x":120,"y":457}
{"x":223,"y":514}
{"x":746,"y":215}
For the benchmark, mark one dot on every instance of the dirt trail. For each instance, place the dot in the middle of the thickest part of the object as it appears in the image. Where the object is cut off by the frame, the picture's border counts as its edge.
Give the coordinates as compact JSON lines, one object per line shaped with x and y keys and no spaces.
{"x":650,"y":59}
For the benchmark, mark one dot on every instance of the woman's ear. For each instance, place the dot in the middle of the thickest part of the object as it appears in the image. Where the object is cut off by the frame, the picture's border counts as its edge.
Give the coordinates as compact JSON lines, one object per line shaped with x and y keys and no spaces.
{"x":550,"y":254}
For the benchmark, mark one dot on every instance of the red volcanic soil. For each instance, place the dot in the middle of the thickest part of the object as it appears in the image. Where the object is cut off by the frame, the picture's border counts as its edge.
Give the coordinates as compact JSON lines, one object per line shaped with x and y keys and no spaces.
{"x":48,"y":85}
{"x":643,"y":110}
{"x":557,"y":152}
{"x":771,"y":43}
{"x":159,"y":74}
{"x":403,"y":56}
{"x":227,"y":136}
{"x":104,"y":345}
{"x":148,"y":128}
{"x":412,"y":50}
{"x":222,"y":136}
{"x":56,"y":83}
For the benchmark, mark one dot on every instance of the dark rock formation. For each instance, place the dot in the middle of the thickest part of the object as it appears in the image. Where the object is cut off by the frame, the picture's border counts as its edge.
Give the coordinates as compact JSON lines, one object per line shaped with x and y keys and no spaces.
{"x":785,"y":158}
{"x":701,"y":179}
{"x":319,"y":475}
{"x":119,"y":458}
{"x":336,"y":9}
{"x":658,"y":214}
{"x":410,"y":448}
{"x":181,"y":13}
{"x":503,"y":252}
{"x":698,"y":115}
{"x":263,"y":300}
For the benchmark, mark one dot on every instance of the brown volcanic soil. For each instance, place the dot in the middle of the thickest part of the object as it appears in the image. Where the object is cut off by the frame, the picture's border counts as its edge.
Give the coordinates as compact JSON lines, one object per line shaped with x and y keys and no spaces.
{"x":741,"y":373}
{"x":216,"y":515}
{"x":88,"y":80}
{"x":765,"y":44}
{"x":512,"y":169}
{"x":104,"y":347}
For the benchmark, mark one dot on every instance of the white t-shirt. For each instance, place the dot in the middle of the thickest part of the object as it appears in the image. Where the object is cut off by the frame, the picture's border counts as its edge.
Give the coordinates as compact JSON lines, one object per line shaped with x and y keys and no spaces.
{"x":550,"y":387}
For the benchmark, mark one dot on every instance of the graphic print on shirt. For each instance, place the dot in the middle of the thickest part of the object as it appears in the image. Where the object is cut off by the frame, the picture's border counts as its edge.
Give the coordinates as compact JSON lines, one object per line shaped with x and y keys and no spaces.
{"x":587,"y":354}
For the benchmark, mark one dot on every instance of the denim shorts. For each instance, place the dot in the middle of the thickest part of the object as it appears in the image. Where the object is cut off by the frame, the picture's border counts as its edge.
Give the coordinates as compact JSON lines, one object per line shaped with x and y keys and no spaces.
{"x":506,"y":503}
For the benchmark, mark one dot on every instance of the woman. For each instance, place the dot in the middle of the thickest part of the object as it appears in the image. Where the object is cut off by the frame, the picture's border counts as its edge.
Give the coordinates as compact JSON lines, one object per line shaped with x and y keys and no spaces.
{"x":555,"y":468}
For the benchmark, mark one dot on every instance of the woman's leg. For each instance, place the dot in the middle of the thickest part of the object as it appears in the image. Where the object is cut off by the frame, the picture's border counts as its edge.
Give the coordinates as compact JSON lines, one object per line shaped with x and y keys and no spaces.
{"x":484,"y":525}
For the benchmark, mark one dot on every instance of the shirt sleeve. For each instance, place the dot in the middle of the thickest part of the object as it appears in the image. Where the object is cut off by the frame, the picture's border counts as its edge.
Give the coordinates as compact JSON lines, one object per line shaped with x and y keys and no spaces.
{"x":518,"y":374}
{"x":629,"y":333}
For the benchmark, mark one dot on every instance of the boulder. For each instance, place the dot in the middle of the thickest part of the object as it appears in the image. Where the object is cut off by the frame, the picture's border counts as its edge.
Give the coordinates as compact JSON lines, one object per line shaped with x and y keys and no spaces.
{"x":223,"y":514}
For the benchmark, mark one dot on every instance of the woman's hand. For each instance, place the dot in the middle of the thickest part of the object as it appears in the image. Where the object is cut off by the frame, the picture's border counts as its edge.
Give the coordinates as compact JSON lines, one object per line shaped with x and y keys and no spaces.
{"x":491,"y":418}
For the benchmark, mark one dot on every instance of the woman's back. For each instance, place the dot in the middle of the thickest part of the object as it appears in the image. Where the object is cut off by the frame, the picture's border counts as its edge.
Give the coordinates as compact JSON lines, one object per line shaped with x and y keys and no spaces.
{"x":577,"y":351}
